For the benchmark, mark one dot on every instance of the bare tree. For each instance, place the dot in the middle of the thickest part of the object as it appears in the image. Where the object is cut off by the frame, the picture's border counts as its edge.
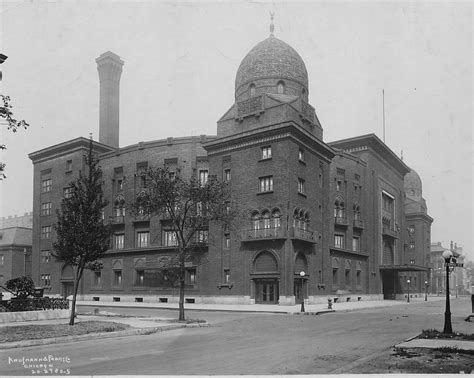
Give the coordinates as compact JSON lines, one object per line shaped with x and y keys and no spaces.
{"x":189,"y":206}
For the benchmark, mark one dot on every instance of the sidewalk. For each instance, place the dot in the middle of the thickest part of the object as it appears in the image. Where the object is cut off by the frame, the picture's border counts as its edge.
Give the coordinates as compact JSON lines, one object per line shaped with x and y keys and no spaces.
{"x":437,"y":343}
{"x":313,"y":309}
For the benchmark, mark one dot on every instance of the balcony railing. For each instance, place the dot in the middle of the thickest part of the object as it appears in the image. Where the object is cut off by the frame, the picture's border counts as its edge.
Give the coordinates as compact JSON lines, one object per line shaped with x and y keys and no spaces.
{"x":141,"y":218}
{"x":117,"y":219}
{"x":359,"y":223}
{"x":386,"y":231}
{"x":341,"y":221}
{"x":302,"y":234}
{"x":265,"y":233}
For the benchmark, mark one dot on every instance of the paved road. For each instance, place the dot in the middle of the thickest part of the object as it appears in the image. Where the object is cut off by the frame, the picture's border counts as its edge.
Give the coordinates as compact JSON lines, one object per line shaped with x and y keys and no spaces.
{"x":251,"y":343}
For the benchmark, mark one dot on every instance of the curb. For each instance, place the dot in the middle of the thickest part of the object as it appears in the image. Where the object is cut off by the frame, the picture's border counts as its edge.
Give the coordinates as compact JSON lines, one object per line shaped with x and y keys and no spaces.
{"x":311,"y":312}
{"x":101,"y":335}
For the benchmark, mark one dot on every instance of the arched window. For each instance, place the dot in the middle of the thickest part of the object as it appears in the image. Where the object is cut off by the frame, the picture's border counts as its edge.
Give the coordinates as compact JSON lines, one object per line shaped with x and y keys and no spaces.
{"x":356,"y":210}
{"x":252,"y":90}
{"x":255,"y":220}
{"x":339,"y":208}
{"x":276,"y":218}
{"x":119,"y":207}
{"x":281,"y":87}
{"x":296,"y":217}
{"x":306,"y":221}
{"x":266,"y":219}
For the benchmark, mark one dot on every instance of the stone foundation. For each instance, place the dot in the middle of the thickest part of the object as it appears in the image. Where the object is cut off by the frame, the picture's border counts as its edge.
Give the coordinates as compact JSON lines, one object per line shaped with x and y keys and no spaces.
{"x":25,"y":316}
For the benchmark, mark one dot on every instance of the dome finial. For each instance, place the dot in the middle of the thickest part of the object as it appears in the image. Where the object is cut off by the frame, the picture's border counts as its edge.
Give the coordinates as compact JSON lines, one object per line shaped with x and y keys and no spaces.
{"x":272,"y":27}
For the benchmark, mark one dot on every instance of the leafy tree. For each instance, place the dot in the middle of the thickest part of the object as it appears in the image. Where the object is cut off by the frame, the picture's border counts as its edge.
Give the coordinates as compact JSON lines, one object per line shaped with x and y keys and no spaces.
{"x":82,"y":237}
{"x":187,"y":207}
{"x":22,"y":287}
{"x":13,"y":124}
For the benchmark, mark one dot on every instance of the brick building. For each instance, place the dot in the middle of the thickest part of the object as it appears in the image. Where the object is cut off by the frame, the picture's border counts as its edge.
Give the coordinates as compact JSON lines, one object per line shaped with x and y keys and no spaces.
{"x":335,"y":211}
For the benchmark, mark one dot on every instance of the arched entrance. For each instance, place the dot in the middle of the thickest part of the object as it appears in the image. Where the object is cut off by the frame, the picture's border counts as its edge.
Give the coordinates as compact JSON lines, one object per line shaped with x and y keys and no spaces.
{"x":67,"y":281}
{"x":265,"y":275}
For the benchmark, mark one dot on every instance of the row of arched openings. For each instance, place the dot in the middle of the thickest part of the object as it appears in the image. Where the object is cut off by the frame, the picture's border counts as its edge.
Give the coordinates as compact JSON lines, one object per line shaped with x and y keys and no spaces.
{"x":280,"y":89}
{"x":340,"y":208}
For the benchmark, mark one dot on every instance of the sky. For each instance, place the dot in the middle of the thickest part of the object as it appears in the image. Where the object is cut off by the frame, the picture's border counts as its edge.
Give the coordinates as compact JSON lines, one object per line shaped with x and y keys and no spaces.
{"x":179,"y":73}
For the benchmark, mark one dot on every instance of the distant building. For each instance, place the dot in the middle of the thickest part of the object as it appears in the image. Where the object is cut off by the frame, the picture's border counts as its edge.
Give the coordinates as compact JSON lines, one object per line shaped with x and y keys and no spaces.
{"x":25,"y":221}
{"x":336,"y":211}
{"x":15,"y":253}
{"x":459,"y":279}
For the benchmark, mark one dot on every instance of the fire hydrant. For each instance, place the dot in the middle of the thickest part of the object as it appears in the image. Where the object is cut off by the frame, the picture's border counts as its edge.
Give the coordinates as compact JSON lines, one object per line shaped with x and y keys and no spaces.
{"x":330,"y":303}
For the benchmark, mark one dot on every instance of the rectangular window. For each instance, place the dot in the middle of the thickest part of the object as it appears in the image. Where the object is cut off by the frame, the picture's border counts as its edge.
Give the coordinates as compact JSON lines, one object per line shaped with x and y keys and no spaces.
{"x":190,"y":276}
{"x":339,"y":241}
{"x":339,"y":185}
{"x":69,"y":166}
{"x":203,"y":176}
{"x":348,"y":277}
{"x":266,"y":184}
{"x":67,"y":192}
{"x":46,"y":208}
{"x":46,"y":280}
{"x":356,"y":244}
{"x":45,"y":232}
{"x":169,"y":239}
{"x":266,"y":152}
{"x":300,"y":155}
{"x":334,"y":276}
{"x":227,"y":241}
{"x":412,"y":245}
{"x":301,"y":186}
{"x":117,"y":277}
{"x":139,"y":277}
{"x":97,"y":278}
{"x":227,"y":175}
{"x":359,"y":278}
{"x":412,"y":262}
{"x":142,"y":239}
{"x":46,"y":185}
{"x":411,"y":229}
{"x":226,"y":276}
{"x":45,"y":256}
{"x":119,"y":241}
{"x":202,"y":236}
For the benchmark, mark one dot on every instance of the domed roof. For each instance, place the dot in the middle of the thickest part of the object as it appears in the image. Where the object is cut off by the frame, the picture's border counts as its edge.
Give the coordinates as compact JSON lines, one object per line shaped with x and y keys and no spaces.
{"x":271,"y":58}
{"x":412,"y":181}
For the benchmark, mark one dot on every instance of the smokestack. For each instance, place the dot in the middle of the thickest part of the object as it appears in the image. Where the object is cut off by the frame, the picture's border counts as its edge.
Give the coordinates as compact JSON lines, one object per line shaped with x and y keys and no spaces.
{"x":109,"y":66}
{"x":451,"y":245}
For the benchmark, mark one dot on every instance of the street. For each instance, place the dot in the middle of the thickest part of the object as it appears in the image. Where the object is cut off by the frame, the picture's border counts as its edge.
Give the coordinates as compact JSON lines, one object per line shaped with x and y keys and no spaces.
{"x":248,"y":343}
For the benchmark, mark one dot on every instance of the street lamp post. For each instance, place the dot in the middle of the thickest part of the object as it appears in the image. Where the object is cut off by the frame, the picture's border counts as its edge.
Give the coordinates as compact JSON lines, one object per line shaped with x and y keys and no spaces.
{"x":408,"y":297}
{"x":302,"y":274}
{"x":448,"y":328}
{"x":426,"y":290}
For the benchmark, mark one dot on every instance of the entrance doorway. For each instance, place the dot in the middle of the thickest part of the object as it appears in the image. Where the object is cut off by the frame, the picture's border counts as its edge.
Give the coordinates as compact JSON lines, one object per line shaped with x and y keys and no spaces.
{"x":67,"y":288}
{"x":389,"y":284}
{"x":266,"y":291}
{"x":298,"y":290}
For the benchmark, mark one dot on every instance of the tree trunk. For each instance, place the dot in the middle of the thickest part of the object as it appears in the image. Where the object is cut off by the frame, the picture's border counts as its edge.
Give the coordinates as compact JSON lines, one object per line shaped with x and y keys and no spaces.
{"x":74,"y":295}
{"x":181,"y":291}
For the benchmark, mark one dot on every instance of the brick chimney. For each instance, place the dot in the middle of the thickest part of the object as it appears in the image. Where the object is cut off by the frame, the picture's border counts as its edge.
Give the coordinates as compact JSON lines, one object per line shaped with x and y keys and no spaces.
{"x":109,"y":66}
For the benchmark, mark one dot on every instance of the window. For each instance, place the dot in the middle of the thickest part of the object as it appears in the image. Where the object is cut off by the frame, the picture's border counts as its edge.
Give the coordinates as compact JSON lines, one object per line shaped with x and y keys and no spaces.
{"x":356,"y":244}
{"x":411,"y":229}
{"x":280,"y":87}
{"x":356,"y":211}
{"x":348,"y":277}
{"x":119,"y":241}
{"x":276,"y":217}
{"x":203,"y":176}
{"x":334,"y":276}
{"x":2,"y":259}
{"x":300,"y":155}
{"x":358,"y":278}
{"x":227,"y":174}
{"x":202,"y":236}
{"x":266,"y":152}
{"x":46,"y":185}
{"x":67,"y":192}
{"x":142,"y":239}
{"x":139,"y":277}
{"x":46,"y":280}
{"x":119,"y":184}
{"x":301,"y":186}
{"x":339,"y":185}
{"x":387,"y":203}
{"x":117,"y":277}
{"x":69,"y":166}
{"x":227,"y":241}
{"x":46,"y":208}
{"x":266,"y":184}
{"x":45,"y":232}
{"x":252,"y":90}
{"x":339,"y":209}
{"x":412,"y":245}
{"x":172,"y":176}
{"x":45,"y":256}
{"x":170,"y":239}
{"x":412,"y":261}
{"x":339,"y":241}
{"x":190,"y":277}
{"x":97,"y":278}
{"x":226,"y":276}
